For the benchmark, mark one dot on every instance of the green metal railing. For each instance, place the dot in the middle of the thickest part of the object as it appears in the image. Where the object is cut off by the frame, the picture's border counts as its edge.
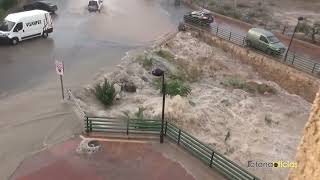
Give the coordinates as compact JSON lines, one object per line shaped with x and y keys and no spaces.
{"x":204,"y":153}
{"x":122,"y":125}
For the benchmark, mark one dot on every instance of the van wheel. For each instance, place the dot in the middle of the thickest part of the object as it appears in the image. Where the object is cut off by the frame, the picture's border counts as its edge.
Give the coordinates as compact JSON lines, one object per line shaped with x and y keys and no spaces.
{"x":14,"y":41}
{"x":269,"y":51}
{"x":45,"y":34}
{"x":248,"y":43}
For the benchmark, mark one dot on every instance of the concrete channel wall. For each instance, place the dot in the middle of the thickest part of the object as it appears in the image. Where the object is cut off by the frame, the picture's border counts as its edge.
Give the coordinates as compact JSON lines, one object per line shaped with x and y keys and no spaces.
{"x":290,"y":79}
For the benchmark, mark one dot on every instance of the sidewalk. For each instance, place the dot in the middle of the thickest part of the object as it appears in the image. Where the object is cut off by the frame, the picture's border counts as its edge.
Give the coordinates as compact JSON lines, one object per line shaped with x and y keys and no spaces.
{"x":117,"y":160}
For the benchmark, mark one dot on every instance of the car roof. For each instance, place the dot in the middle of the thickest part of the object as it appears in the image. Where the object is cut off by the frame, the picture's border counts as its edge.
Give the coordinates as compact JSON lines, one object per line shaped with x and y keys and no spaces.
{"x":15,"y":17}
{"x":261,"y":31}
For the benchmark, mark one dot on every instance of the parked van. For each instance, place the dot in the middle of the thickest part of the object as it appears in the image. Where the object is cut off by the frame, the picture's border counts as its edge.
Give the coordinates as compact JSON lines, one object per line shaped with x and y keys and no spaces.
{"x":95,"y":5}
{"x":265,"y":41}
{"x":25,"y":25}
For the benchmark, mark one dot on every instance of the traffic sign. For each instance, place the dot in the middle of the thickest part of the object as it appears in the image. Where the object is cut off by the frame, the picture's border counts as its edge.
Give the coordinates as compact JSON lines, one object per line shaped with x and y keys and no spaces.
{"x":59,"y":68}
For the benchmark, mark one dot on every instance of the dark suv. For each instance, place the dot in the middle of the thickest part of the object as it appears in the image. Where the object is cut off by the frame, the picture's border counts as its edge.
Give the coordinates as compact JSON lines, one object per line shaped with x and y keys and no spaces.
{"x":200,"y":17}
{"x":41,"y":5}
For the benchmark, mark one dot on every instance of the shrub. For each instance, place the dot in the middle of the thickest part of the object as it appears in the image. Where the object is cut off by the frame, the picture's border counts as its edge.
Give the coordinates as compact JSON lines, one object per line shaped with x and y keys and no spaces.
{"x":165,"y":54}
{"x":2,"y":14}
{"x":264,"y":88}
{"x":105,"y":93}
{"x":173,"y":86}
{"x":7,"y":4}
{"x":177,"y":87}
{"x":146,"y":62}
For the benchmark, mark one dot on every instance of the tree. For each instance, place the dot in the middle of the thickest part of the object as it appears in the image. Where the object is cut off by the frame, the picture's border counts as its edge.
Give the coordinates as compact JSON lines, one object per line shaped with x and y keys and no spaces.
{"x":315,"y":29}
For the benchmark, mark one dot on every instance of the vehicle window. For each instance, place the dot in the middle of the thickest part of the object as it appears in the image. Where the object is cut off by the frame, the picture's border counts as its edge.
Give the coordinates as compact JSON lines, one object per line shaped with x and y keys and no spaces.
{"x":18,"y":27}
{"x":273,"y":39}
{"x":93,"y":3}
{"x":264,"y":39}
{"x":6,"y":25}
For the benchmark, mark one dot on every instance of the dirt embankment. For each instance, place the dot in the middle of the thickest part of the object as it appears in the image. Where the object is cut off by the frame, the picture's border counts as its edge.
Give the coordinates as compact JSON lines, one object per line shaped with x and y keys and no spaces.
{"x":221,"y":111}
{"x":308,"y":152}
{"x":290,"y":79}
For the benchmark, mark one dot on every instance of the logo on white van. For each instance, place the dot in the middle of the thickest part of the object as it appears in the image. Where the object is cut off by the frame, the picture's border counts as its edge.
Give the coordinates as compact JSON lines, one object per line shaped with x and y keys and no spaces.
{"x":33,"y":23}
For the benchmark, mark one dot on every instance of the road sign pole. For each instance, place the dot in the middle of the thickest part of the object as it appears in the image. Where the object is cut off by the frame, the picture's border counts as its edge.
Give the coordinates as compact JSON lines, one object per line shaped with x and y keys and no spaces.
{"x":60,"y":71}
{"x":62,"y":90}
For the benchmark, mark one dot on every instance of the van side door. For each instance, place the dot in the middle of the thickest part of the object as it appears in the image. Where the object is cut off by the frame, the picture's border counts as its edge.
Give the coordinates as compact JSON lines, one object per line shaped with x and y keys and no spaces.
{"x":18,"y":30}
{"x":263,"y":43}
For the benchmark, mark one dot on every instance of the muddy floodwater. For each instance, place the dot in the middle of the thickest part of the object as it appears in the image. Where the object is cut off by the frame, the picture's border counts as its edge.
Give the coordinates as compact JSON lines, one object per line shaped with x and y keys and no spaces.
{"x":85,"y":41}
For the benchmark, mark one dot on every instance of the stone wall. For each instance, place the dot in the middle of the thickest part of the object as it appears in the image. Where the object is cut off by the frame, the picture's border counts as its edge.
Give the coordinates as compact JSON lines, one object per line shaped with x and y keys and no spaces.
{"x":308,"y":156}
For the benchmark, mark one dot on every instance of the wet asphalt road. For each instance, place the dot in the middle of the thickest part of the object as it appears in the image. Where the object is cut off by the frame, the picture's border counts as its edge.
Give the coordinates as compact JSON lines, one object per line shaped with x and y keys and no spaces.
{"x":85,"y":41}
{"x":32,"y":115}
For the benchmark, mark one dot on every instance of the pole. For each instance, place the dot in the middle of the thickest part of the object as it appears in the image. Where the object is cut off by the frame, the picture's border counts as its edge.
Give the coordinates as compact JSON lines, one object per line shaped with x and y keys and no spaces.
{"x":163,"y":106}
{"x":62,"y":91}
{"x":295,"y":29}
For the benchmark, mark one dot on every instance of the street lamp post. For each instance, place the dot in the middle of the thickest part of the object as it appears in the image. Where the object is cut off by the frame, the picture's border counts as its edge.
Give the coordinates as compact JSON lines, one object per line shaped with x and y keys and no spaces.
{"x":295,"y":29}
{"x":158,"y":72}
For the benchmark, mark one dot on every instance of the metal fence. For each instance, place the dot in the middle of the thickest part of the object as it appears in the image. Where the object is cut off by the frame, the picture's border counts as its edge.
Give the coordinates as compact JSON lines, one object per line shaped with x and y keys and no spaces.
{"x":296,"y":60}
{"x":201,"y":151}
{"x":122,"y":125}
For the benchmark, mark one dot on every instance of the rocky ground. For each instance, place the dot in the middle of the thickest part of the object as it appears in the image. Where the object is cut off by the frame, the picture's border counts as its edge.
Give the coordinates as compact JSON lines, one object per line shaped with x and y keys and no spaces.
{"x":246,"y":123}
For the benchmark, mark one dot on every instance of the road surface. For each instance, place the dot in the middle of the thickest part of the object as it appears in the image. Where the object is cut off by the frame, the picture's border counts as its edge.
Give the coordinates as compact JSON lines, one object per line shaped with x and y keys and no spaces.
{"x":32,"y":114}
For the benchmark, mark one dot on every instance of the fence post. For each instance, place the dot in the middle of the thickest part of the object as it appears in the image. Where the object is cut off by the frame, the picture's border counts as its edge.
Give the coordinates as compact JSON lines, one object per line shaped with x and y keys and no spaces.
{"x":294,"y":57}
{"x":179,"y":136}
{"x":314,"y":67}
{"x":165,"y":130}
{"x":87,"y":125}
{"x":211,"y":160}
{"x":284,"y":29}
{"x":90,"y":123}
{"x":127,"y":126}
{"x":230,"y":36}
{"x":217,"y":30}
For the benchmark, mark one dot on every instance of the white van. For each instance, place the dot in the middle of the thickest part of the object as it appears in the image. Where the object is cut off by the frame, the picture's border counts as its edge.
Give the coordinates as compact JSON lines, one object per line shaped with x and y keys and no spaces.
{"x":25,"y":25}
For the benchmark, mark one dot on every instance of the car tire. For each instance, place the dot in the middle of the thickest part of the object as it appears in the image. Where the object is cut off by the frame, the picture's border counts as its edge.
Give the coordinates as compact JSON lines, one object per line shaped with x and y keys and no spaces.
{"x":269,"y":51}
{"x":14,"y":41}
{"x":248,"y":43}
{"x":45,"y":35}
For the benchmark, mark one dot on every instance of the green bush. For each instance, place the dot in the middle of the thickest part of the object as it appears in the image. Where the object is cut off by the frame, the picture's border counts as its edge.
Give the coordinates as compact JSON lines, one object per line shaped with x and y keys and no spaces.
{"x":145,"y":61}
{"x":2,"y":14}
{"x":105,"y":93}
{"x":165,"y":54}
{"x":177,"y":87}
{"x":7,"y":4}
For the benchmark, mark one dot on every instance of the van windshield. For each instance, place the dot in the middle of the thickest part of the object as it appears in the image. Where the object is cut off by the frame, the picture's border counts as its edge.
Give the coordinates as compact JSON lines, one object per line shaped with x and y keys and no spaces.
{"x":6,"y":25}
{"x":273,"y":39}
{"x":93,"y":3}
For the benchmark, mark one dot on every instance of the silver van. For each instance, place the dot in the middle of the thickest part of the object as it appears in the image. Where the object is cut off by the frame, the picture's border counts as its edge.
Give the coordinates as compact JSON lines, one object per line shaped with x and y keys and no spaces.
{"x":265,"y":41}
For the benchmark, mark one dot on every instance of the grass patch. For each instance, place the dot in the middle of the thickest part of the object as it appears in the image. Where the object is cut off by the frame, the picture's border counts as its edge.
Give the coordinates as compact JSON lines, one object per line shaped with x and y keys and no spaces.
{"x":2,"y":14}
{"x":250,"y":87}
{"x":105,"y":93}
{"x":146,"y":62}
{"x":174,"y":87}
{"x":138,"y":121}
{"x":165,"y":54}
